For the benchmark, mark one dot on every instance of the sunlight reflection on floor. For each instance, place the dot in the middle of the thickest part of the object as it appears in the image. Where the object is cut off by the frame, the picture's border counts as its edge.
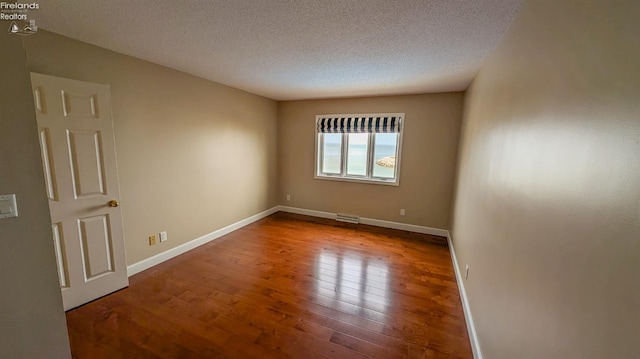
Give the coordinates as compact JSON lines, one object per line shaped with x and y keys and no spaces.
{"x":348,"y":277}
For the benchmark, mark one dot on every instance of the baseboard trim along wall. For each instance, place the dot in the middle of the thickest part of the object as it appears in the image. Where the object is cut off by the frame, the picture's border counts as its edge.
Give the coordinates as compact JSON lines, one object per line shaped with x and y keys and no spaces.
{"x":471,"y":329}
{"x":183,"y":248}
{"x":369,"y":221}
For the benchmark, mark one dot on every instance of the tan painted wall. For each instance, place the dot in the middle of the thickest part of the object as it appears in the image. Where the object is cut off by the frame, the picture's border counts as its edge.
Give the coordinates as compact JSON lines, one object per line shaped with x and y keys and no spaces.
{"x":430,"y":141}
{"x":32,"y":321}
{"x":548,"y":201}
{"x":193,"y":156}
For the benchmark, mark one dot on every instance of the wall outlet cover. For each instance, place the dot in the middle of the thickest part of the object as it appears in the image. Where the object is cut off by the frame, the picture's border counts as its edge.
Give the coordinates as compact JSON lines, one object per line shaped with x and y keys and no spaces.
{"x":8,"y":206}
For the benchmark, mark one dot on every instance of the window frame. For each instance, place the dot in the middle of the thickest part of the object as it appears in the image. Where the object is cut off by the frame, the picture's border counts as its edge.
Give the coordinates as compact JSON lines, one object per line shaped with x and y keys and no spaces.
{"x":368,"y":178}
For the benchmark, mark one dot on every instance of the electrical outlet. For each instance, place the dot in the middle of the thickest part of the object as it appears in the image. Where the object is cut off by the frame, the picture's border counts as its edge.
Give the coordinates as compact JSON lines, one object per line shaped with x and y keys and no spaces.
{"x":288,"y":197}
{"x":163,"y":236}
{"x":466,"y":272}
{"x":152,"y":239}
{"x":402,"y":212}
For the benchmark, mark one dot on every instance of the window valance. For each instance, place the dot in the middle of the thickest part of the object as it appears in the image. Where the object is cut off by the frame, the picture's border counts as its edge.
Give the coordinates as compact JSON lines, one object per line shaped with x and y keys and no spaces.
{"x":383,"y":123}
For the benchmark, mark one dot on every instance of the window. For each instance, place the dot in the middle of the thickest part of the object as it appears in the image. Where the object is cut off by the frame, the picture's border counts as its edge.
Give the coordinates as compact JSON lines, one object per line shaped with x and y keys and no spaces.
{"x":360,"y":148}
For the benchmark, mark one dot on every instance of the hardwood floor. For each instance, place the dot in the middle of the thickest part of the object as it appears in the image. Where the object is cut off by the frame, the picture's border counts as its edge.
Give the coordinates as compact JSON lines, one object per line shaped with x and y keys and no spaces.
{"x":287,"y":286}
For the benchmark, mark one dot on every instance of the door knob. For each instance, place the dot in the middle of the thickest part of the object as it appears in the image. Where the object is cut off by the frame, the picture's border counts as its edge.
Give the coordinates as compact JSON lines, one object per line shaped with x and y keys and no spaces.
{"x":113,"y":203}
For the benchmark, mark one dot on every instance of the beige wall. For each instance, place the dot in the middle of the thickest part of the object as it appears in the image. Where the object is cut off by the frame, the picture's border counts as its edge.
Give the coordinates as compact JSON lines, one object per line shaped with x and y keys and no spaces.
{"x":32,"y":322}
{"x":193,"y":156}
{"x":430,"y":141}
{"x":548,"y":198}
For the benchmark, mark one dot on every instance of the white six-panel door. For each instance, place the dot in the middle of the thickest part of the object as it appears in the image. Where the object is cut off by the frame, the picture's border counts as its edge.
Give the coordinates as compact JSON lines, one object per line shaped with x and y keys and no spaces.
{"x":78,"y":153}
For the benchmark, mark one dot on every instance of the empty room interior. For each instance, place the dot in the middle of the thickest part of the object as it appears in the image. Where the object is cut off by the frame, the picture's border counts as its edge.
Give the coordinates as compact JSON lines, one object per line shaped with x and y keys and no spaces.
{"x":362,"y":179}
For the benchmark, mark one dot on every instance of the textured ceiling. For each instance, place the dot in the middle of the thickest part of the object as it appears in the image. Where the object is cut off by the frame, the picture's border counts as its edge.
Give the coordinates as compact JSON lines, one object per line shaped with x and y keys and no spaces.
{"x":303,"y":49}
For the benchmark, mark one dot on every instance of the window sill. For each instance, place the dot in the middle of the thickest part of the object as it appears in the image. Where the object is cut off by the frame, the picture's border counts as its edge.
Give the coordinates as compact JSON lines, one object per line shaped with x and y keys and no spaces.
{"x":374,"y":181}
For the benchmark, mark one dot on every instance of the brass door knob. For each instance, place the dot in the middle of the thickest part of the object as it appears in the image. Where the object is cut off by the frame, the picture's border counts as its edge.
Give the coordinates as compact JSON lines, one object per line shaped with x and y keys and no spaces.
{"x":113,"y":203}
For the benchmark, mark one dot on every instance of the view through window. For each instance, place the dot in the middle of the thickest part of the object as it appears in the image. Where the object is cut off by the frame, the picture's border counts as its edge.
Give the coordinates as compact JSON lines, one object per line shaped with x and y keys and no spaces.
{"x":359,"y":147}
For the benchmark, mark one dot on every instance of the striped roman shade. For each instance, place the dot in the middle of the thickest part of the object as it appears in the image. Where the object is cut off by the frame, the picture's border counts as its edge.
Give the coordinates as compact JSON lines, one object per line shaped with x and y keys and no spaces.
{"x":383,"y":123}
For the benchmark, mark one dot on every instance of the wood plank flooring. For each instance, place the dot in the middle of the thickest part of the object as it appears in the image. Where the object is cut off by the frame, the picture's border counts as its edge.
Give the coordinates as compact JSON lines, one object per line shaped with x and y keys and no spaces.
{"x":287,"y":286}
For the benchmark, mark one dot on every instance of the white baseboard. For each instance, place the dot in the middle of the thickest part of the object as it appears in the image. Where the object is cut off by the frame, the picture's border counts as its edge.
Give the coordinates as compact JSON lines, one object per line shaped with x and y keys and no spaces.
{"x":183,"y":248}
{"x":471,"y":329}
{"x":307,"y":212}
{"x":369,"y":221}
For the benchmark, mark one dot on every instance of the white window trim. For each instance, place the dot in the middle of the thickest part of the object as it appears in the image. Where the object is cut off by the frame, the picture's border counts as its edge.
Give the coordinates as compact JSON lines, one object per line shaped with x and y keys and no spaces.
{"x":359,"y":179}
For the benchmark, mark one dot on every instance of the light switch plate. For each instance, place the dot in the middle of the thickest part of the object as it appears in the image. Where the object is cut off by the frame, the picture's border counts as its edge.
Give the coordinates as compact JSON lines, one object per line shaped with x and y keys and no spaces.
{"x":8,"y":207}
